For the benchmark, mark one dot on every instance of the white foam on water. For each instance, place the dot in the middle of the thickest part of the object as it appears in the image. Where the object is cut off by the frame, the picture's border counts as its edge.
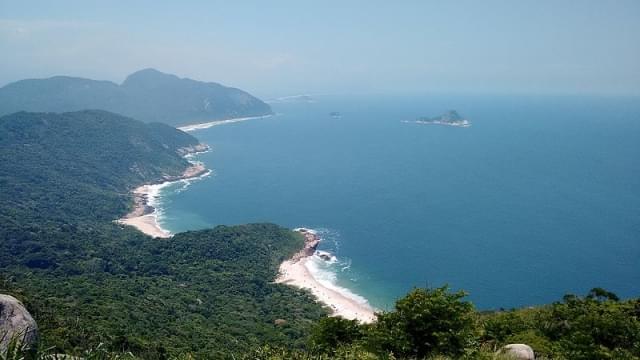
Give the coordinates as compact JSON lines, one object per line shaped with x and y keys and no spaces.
{"x":187,"y":182}
{"x":312,"y":231}
{"x":325,"y":254}
{"x":155,"y":196}
{"x":326,"y":272}
{"x":346,"y":265}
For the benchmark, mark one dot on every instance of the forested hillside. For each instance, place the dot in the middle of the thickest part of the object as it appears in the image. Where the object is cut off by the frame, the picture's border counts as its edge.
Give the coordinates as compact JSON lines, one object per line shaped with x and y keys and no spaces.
{"x":78,"y":166}
{"x":64,"y":179}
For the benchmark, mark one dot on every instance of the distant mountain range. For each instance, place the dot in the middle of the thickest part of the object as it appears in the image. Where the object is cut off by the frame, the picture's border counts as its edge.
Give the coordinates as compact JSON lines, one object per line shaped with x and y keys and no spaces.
{"x":148,"y":95}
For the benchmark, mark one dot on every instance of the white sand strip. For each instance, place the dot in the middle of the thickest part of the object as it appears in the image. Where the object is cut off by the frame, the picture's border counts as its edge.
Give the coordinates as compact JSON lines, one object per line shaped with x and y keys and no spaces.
{"x":295,"y":272}
{"x":219,"y":122}
{"x":144,"y":199}
{"x":146,"y":224}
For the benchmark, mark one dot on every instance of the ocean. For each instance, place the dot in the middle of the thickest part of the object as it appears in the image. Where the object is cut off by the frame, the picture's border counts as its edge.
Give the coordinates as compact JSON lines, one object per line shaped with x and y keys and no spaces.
{"x":538,"y":198}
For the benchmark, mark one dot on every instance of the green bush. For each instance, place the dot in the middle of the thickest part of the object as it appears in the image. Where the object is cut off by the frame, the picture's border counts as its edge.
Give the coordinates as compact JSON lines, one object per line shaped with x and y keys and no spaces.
{"x":427,"y":322}
{"x":332,"y":332}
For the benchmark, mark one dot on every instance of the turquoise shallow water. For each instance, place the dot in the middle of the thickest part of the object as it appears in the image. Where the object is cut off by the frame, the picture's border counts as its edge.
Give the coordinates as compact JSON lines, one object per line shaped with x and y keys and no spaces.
{"x":540,"y":197}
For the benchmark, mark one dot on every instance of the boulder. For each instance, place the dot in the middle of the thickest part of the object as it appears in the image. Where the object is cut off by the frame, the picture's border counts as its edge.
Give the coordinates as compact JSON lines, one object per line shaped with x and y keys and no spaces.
{"x":518,"y":351}
{"x":16,"y":324}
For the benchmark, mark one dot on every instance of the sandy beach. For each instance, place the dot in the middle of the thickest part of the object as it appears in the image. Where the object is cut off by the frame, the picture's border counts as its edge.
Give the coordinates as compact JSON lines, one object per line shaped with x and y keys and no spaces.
{"x":147,"y":224}
{"x":295,"y":272}
{"x":144,"y":216}
{"x":219,"y":122}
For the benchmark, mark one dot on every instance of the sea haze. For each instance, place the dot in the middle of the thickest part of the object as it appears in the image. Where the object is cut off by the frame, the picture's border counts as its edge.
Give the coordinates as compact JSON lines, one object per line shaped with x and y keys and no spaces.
{"x":540,"y":197}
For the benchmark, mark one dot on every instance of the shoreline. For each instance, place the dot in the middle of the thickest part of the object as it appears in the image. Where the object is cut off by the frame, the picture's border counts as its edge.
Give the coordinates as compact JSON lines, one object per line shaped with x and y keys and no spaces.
{"x":295,"y":272}
{"x":144,"y":216}
{"x":206,"y":125}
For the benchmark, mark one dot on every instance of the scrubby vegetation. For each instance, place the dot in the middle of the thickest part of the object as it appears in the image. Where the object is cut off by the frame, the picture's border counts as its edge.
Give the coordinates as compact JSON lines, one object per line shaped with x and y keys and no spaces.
{"x":428,"y":323}
{"x":438,"y":324}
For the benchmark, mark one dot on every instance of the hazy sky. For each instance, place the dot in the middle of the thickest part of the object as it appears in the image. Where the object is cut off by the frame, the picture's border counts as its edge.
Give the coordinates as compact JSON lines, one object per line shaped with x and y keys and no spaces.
{"x":288,"y":47}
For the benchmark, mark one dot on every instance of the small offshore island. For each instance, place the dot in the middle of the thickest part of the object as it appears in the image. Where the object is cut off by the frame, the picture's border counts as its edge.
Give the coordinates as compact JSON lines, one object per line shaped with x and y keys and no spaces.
{"x":449,"y":118}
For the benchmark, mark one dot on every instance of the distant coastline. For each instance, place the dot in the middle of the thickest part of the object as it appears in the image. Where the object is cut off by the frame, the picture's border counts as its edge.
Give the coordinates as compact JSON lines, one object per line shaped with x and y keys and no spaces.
{"x":144,"y":215}
{"x":206,"y":125}
{"x":296,"y":272}
{"x":302,"y":98}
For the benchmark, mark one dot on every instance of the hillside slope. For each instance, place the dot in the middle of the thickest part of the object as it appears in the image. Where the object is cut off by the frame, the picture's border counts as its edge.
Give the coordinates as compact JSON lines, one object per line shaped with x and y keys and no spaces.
{"x":147,"y":95}
{"x":82,"y":159}
{"x":86,"y":280}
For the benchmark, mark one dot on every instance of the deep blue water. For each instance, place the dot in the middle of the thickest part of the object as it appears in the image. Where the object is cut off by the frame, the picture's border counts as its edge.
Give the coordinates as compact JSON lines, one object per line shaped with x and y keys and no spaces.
{"x":540,"y":197}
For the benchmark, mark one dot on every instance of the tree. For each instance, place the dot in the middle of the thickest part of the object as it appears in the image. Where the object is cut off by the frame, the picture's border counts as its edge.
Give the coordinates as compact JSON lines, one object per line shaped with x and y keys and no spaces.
{"x":427,"y":322}
{"x":332,"y":332}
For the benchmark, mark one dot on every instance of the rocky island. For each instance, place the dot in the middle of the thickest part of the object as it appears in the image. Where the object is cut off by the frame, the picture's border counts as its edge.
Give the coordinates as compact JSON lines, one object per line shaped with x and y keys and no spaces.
{"x":449,"y":118}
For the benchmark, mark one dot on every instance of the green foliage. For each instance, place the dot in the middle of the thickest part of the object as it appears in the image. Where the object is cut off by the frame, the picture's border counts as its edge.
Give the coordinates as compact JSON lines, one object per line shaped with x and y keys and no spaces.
{"x":95,"y":353}
{"x":438,"y":324}
{"x":595,"y":327}
{"x":348,"y":352}
{"x":427,"y":322}
{"x":88,"y":281}
{"x":332,"y":332}
{"x":76,"y":167}
{"x":598,"y":326}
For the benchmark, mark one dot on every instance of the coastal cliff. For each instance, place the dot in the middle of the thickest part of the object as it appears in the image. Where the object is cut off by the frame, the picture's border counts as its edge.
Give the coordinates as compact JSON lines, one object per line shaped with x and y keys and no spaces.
{"x":311,"y":242}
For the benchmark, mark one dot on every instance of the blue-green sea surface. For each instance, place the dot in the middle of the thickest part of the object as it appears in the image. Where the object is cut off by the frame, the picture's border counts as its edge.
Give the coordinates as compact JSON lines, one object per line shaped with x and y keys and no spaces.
{"x":540,"y":197}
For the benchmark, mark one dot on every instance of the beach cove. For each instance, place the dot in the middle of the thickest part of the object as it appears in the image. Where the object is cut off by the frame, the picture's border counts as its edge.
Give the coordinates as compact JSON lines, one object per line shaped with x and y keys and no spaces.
{"x":297,"y":271}
{"x":144,"y":215}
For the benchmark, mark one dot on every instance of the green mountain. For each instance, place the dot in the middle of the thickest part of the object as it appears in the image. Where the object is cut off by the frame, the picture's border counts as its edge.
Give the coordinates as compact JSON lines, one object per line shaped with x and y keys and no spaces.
{"x":87,"y":280}
{"x":147,"y":95}
{"x":73,"y":158}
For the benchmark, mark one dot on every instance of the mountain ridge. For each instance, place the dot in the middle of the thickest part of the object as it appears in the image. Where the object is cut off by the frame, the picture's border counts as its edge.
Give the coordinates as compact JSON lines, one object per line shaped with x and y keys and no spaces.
{"x":148,"y":95}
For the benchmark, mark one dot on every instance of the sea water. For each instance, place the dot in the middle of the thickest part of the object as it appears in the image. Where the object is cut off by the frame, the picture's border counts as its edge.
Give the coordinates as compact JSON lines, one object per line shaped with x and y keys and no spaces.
{"x":538,"y":198}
